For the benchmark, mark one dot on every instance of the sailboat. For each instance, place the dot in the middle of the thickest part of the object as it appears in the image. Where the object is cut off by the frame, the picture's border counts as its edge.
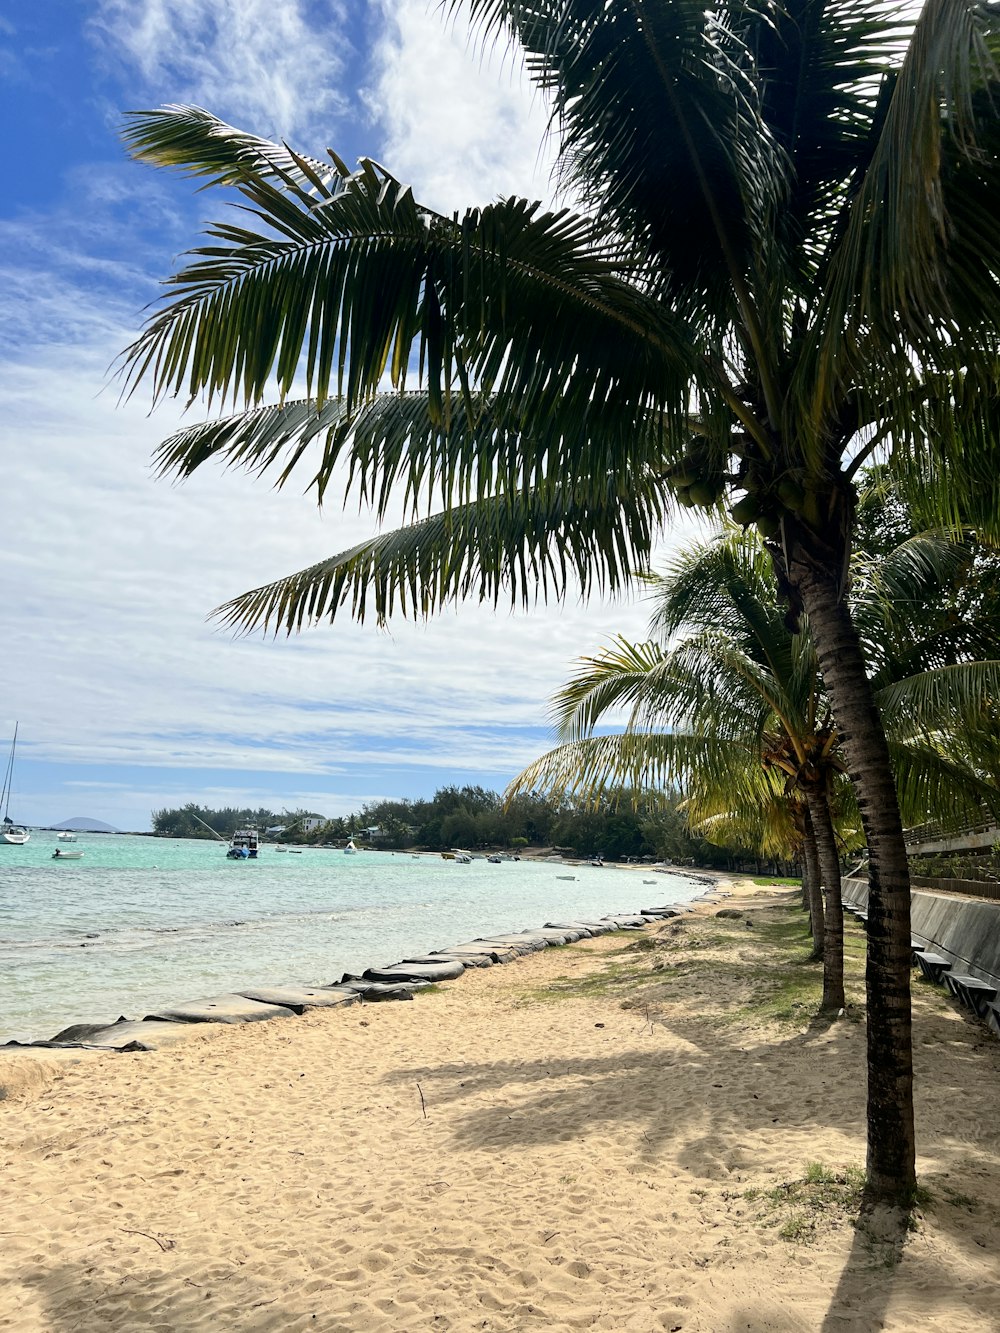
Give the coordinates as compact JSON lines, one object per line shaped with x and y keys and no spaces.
{"x":15,"y":835}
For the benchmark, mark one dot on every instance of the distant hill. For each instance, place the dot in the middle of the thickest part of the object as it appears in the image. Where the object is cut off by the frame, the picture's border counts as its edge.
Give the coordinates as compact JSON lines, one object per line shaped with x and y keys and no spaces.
{"x":84,"y":824}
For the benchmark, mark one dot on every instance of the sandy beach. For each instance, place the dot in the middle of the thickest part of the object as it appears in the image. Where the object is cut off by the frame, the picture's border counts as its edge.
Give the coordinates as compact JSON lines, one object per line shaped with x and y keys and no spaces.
{"x":596,"y":1137}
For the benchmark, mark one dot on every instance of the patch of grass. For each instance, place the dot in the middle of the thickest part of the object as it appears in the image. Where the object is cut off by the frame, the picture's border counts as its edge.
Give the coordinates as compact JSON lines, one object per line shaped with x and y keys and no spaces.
{"x":959,"y":1200}
{"x":642,"y":945}
{"x":774,"y":879}
{"x":818,"y":1174}
{"x":797,"y":1227}
{"x":800,"y":1208}
{"x":611,"y":978}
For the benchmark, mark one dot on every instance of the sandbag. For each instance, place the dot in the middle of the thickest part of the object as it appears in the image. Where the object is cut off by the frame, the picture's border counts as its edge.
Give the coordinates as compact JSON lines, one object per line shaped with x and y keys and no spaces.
{"x":219,"y":1009}
{"x":297,"y":998}
{"x":439,"y":970}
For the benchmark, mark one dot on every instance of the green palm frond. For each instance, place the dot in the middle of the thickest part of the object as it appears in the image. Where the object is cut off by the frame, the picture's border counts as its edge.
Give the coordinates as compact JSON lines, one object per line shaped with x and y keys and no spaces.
{"x":200,"y":144}
{"x":888,"y":266}
{"x":932,"y":700}
{"x":931,"y":785}
{"x":591,"y":767}
{"x":649,"y":102}
{"x":528,"y":308}
{"x":506,"y":548}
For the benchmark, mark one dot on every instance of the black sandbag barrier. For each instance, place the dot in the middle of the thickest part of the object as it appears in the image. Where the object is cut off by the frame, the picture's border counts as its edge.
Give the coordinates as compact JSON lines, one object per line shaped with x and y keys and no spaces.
{"x":624,"y":922}
{"x":490,"y":953}
{"x":220,"y":1009}
{"x":372,"y":991}
{"x":474,"y":960}
{"x":584,"y":931}
{"x":466,"y":959}
{"x":298,"y":998}
{"x":436,"y":971}
{"x":127,"y":1034}
{"x":519,"y":943}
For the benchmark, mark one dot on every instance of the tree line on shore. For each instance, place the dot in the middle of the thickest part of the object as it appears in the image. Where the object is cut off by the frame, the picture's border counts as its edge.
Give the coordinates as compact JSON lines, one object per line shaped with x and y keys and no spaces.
{"x":616,"y":826}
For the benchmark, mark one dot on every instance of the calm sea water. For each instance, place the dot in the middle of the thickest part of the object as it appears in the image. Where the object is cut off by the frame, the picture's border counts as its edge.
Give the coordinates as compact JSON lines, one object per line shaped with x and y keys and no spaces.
{"x":142,"y":921}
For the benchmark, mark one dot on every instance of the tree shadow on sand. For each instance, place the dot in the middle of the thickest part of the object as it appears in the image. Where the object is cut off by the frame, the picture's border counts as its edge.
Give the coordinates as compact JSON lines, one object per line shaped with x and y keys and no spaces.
{"x":110,"y":1299}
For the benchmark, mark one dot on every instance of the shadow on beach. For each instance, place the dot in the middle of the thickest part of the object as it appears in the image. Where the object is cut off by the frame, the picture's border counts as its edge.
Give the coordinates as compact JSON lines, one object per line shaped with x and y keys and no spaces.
{"x":173,"y":1300}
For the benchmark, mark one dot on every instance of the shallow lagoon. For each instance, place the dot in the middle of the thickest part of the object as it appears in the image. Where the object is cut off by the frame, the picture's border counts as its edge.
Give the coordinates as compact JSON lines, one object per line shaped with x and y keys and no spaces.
{"x":142,"y":921}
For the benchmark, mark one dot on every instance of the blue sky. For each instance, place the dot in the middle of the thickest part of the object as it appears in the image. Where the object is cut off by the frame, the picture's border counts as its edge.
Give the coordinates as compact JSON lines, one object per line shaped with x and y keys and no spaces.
{"x":127,"y":698}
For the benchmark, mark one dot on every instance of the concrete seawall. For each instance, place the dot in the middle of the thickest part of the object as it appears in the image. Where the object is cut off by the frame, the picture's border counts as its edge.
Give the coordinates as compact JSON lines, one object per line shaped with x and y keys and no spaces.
{"x":962,"y":930}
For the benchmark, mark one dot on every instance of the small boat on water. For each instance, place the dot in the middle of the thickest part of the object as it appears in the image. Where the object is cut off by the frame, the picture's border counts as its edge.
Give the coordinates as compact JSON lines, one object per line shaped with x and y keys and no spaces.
{"x":350,"y":849}
{"x":243,"y":845}
{"x":60,"y":855}
{"x":66,"y":836}
{"x":569,"y":877}
{"x":14,"y":835}
{"x":463,"y":858}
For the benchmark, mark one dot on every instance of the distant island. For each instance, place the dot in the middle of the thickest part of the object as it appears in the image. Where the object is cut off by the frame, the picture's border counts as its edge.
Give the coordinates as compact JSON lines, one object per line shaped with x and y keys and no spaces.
{"x":84,"y":824}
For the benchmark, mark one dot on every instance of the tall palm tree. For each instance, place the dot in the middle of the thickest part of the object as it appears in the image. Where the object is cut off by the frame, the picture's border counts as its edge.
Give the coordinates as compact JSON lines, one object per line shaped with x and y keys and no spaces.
{"x":783,"y":259}
{"x":739,"y":700}
{"x":750,"y":733}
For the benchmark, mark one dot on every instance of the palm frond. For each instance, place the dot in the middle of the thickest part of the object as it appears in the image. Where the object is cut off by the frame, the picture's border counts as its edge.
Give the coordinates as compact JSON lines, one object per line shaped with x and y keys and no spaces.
{"x":200,"y":144}
{"x":515,"y":549}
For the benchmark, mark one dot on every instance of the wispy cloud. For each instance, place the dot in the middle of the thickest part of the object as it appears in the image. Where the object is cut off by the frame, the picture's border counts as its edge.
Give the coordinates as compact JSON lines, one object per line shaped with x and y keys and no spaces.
{"x":459,"y":120}
{"x":274,"y":66}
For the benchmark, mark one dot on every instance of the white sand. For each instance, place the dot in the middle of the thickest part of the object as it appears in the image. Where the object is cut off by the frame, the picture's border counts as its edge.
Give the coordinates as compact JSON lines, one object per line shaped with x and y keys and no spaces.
{"x":577,"y":1167}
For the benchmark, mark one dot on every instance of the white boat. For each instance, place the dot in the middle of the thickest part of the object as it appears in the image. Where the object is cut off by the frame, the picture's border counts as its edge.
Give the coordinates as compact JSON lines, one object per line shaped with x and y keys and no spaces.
{"x":243,"y":845}
{"x":463,"y":858}
{"x":60,"y":855}
{"x":495,"y":859}
{"x":14,"y":835}
{"x":66,"y":836}
{"x":350,"y":849}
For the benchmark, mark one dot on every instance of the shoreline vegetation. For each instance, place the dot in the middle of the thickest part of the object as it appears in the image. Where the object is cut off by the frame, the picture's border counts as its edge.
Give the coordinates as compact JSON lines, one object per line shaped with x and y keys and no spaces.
{"x":619,"y":825}
{"x":647,"y":1130}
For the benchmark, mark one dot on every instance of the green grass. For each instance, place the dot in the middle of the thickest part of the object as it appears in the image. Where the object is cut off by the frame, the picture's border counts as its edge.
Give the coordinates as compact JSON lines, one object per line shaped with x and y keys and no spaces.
{"x":772,"y":978}
{"x":774,"y":879}
{"x":800,"y":1209}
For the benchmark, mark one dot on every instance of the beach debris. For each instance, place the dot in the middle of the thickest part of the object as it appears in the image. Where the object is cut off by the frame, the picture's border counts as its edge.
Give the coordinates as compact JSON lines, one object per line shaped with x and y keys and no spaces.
{"x":163,"y":1244}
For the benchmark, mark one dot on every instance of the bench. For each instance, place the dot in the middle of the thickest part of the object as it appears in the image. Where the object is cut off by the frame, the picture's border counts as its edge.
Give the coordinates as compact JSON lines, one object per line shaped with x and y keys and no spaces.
{"x":916,"y":948}
{"x":971,"y":991}
{"x":933,"y":966}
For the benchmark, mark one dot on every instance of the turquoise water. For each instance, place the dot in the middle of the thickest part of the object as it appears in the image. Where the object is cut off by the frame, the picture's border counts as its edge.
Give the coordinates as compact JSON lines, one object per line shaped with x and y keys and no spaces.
{"x":143,"y":921}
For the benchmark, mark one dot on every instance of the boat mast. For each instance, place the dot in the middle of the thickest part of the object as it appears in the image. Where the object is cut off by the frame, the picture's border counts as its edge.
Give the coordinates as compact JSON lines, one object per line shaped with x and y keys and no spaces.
{"x":8,"y":779}
{"x":211,"y":830}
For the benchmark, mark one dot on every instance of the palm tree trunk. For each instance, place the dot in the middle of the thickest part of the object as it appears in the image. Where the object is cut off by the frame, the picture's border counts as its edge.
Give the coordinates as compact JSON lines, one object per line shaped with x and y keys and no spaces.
{"x":833,"y":944}
{"x":891,"y":1175}
{"x":813,"y":890}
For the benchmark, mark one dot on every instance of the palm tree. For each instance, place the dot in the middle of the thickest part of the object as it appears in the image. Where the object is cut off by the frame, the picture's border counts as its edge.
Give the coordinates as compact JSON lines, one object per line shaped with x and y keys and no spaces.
{"x":783,"y":259}
{"x":739,"y":700}
{"x":739,"y":716}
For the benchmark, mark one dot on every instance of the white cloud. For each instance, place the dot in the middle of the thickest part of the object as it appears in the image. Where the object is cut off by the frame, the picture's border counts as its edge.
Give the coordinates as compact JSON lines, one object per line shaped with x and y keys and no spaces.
{"x":270,"y":65}
{"x":461,"y":123}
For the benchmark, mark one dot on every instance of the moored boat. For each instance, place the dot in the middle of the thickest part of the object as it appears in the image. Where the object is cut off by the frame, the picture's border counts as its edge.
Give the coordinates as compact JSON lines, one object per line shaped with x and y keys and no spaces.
{"x":60,"y":855}
{"x":14,"y":835}
{"x":66,"y":836}
{"x":243,"y":845}
{"x":350,"y":849}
